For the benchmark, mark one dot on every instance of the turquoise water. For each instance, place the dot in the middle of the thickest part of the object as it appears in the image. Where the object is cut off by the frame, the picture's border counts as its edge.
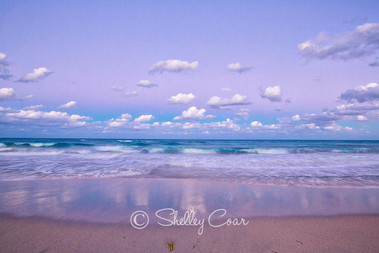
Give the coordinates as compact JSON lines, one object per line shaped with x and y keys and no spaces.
{"x":262,"y":162}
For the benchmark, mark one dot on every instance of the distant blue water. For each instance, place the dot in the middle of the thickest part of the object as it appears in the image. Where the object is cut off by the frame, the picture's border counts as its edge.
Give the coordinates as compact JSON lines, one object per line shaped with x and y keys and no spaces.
{"x":263,"y":162}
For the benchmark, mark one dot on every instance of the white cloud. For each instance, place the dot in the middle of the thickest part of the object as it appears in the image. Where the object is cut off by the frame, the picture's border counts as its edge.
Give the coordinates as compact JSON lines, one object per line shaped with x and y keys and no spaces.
{"x":272,"y":126}
{"x":311,"y":126}
{"x":244,"y":113}
{"x":52,"y":118}
{"x":296,"y":117}
{"x":146,"y":84}
{"x":256,"y":124}
{"x":138,"y":124}
{"x":227,"y":124}
{"x":226,"y":89}
{"x":31,"y":114}
{"x":144,"y":118}
{"x":328,"y":119}
{"x":272,"y":93}
{"x":6,"y":94}
{"x":68,"y":105}
{"x":362,"y":93}
{"x":173,"y":66}
{"x":131,"y":94}
{"x":259,"y":125}
{"x":117,"y":88}
{"x":337,"y":128}
{"x":142,"y":126}
{"x":8,"y":109}
{"x":194,"y":113}
{"x":35,"y":75}
{"x":321,"y":119}
{"x":126,"y":116}
{"x":10,"y":94}
{"x":182,"y":98}
{"x":27,"y":97}
{"x":236,"y":67}
{"x":124,"y":119}
{"x":362,"y":118}
{"x":190,"y":125}
{"x":167,"y":123}
{"x":220,"y":103}
{"x":33,"y":107}
{"x":4,"y":73}
{"x":2,"y":56}
{"x":363,"y":41}
{"x":370,"y":109}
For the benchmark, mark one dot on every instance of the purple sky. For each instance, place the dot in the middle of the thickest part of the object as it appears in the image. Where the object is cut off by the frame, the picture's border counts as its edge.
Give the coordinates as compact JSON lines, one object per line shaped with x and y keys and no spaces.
{"x":243,"y":69}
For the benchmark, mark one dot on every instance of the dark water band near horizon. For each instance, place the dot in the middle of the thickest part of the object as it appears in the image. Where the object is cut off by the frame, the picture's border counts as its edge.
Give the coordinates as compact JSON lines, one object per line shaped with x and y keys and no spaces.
{"x":266,"y":162}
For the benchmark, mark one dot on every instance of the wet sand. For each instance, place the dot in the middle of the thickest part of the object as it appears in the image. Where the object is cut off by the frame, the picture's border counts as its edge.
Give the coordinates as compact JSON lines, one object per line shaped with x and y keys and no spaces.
{"x":94,"y":215}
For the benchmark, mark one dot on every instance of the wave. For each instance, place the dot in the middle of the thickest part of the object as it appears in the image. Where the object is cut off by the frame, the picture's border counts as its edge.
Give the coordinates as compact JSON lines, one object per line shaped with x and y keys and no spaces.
{"x":43,"y":144}
{"x":327,"y":150}
{"x":190,"y":147}
{"x":39,"y":145}
{"x":272,"y":151}
{"x":5,"y":149}
{"x":263,"y":151}
{"x":11,"y":152}
{"x":114,"y":149}
{"x":198,"y":151}
{"x":75,"y":148}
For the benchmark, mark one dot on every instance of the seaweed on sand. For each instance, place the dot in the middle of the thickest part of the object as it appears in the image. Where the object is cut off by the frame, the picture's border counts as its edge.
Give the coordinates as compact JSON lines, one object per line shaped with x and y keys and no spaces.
{"x":170,"y":245}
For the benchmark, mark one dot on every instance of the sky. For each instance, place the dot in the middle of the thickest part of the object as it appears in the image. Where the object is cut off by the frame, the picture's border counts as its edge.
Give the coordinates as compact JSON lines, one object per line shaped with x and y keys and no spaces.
{"x":189,"y":69}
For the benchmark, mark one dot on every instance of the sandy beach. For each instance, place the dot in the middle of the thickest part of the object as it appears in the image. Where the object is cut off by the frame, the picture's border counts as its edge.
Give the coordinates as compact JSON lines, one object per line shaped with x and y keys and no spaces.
{"x":290,"y":234}
{"x":94,"y":215}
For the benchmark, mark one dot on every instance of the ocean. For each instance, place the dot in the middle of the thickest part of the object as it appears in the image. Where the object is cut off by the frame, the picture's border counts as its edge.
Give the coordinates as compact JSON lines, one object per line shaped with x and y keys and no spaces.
{"x":267,"y":162}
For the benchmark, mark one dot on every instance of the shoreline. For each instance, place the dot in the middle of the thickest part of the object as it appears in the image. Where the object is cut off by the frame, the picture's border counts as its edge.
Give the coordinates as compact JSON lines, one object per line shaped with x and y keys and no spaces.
{"x":249,"y":182}
{"x":351,"y":233}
